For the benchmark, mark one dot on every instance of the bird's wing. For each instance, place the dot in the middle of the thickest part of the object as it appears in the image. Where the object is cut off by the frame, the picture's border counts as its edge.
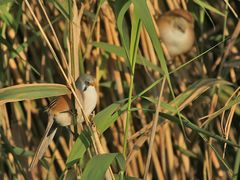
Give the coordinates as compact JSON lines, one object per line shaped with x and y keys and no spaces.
{"x":60,"y":104}
{"x":63,"y":104}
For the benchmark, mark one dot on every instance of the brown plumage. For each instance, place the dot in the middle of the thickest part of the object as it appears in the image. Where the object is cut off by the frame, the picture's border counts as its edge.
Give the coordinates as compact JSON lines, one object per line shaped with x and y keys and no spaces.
{"x":176,"y":30}
{"x":58,"y":107}
{"x":60,"y":112}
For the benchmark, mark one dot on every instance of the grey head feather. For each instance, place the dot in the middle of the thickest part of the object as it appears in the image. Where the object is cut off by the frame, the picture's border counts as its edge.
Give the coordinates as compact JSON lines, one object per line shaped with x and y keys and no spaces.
{"x":83,"y":81}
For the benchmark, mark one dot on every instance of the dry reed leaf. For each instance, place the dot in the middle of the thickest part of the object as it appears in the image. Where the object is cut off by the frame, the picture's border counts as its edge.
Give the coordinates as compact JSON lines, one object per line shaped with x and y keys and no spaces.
{"x":24,"y":118}
{"x":75,"y":39}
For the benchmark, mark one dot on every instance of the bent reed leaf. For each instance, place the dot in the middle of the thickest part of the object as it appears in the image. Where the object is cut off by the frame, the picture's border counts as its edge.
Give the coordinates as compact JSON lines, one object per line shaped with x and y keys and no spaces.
{"x":31,"y":91}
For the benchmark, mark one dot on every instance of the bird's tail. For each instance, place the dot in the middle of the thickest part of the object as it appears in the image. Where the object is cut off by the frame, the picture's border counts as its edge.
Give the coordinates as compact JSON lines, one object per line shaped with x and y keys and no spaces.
{"x":46,"y":140}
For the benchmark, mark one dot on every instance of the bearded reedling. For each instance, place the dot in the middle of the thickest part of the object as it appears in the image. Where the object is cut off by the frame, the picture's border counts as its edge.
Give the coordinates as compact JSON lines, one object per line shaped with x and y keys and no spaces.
{"x":60,"y":112}
{"x":176,"y":30}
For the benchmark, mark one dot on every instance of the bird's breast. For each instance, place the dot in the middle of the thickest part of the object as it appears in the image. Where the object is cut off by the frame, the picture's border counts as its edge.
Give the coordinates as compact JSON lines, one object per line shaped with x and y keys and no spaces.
{"x":89,"y":100}
{"x":177,"y":41}
{"x":63,"y":119}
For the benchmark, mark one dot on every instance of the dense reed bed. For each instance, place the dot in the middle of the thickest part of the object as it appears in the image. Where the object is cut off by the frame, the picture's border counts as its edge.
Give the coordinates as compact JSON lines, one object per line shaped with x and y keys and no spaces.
{"x":157,"y":117}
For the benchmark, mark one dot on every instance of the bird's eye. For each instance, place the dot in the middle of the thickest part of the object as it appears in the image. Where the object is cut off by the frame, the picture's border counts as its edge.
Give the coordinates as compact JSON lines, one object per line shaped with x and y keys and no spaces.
{"x":86,"y":84}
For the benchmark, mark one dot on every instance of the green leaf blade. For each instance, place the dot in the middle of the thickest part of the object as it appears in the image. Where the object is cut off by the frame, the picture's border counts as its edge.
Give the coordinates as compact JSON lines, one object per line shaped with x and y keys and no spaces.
{"x":31,"y":91}
{"x":98,"y":165}
{"x":79,"y":148}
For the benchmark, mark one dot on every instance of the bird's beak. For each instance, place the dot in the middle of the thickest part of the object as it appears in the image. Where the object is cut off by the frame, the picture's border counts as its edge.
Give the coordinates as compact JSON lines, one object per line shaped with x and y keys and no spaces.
{"x":93,"y":83}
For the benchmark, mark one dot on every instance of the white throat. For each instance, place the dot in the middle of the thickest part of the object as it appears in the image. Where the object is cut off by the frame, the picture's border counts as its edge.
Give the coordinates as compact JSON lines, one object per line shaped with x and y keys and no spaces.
{"x":89,"y":100}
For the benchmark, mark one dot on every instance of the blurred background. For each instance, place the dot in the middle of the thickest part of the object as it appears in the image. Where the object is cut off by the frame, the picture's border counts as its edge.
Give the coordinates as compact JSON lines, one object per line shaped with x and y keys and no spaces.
{"x":198,"y":89}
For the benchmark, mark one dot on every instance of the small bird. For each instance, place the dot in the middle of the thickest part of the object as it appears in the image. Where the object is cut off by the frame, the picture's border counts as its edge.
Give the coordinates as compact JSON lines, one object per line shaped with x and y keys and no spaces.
{"x":61,"y":109}
{"x":176,"y":30}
